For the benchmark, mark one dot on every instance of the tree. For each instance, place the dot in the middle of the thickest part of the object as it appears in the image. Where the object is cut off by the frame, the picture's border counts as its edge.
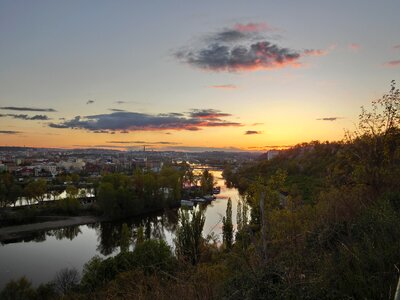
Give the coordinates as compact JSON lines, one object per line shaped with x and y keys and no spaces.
{"x":189,"y":237}
{"x":20,"y":289}
{"x":36,"y":190}
{"x":207,"y":182}
{"x":125,"y":238}
{"x":66,"y":280}
{"x":227,"y":229}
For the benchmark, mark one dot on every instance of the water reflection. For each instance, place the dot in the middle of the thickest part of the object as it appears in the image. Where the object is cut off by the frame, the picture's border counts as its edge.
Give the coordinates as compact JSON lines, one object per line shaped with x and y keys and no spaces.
{"x":65,"y":233}
{"x":155,"y":227}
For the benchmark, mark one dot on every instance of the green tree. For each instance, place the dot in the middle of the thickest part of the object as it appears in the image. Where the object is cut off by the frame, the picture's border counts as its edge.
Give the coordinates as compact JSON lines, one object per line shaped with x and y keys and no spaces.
{"x":36,"y":190}
{"x":189,"y":239}
{"x":20,"y":289}
{"x":207,"y":182}
{"x":125,"y":238}
{"x":227,"y":229}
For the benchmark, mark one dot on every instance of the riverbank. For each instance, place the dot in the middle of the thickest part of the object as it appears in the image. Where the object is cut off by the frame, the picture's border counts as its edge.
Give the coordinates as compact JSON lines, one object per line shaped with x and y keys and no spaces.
{"x":10,"y":233}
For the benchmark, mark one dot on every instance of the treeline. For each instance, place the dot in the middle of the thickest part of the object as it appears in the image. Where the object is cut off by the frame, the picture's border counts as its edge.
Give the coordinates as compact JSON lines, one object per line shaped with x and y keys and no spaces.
{"x":114,"y":195}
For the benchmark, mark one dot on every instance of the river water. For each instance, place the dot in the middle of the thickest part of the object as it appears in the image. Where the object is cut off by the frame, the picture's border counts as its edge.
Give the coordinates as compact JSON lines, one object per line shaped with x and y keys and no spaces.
{"x":40,"y":256}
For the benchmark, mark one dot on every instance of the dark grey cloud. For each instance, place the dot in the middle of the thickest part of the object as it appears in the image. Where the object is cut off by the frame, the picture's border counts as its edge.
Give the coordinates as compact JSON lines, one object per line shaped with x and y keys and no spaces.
{"x":134,"y":121}
{"x":26,"y":117}
{"x":9,"y":132}
{"x":116,"y":109}
{"x":221,"y":57}
{"x":28,"y":109}
{"x":90,"y":101}
{"x":329,"y":119}
{"x":208,"y":114}
{"x":250,"y":132}
{"x":228,"y":35}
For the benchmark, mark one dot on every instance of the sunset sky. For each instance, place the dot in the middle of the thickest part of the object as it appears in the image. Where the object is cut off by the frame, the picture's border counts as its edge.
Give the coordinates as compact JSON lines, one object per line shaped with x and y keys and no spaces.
{"x":190,"y":75}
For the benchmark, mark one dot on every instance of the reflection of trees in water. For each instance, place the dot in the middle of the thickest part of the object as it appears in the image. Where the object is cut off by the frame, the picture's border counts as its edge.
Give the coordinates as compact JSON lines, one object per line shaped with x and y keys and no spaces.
{"x":109,"y":233}
{"x":67,"y":232}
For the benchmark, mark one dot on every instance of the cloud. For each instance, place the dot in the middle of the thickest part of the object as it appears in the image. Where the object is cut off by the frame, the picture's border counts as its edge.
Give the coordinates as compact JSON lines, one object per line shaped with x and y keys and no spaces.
{"x":241,"y":48}
{"x":315,"y":52}
{"x":396,"y":47}
{"x":257,"y":56}
{"x":257,"y":124}
{"x":121,"y":102}
{"x":392,"y":63}
{"x":354,"y":47}
{"x":90,"y":102}
{"x":134,"y":121}
{"x":224,"y":87}
{"x":26,"y":117}
{"x":9,"y":132}
{"x":329,"y":119}
{"x":208,"y":114}
{"x":116,"y":109}
{"x":252,"y":27}
{"x":28,"y":109}
{"x":250,"y":132}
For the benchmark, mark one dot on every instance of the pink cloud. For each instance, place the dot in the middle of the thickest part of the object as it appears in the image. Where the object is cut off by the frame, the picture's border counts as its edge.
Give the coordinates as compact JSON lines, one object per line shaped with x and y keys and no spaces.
{"x":396,"y":47}
{"x":354,"y":47}
{"x":252,"y":27}
{"x":224,"y":87}
{"x":315,"y":52}
{"x":392,"y":63}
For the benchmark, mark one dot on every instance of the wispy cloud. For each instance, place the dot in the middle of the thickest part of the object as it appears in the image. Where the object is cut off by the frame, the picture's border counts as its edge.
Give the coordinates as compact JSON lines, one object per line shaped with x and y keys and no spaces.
{"x":26,"y":117}
{"x":315,"y":52}
{"x":253,"y":27}
{"x":251,"y":132}
{"x":241,"y":48}
{"x":208,"y":114}
{"x":392,"y":63}
{"x":329,"y":119}
{"x":9,"y":132}
{"x":257,"y":124}
{"x":134,"y":121}
{"x":354,"y":47}
{"x":116,"y":109}
{"x":224,"y":87}
{"x":121,"y":102}
{"x":90,"y":101}
{"x":396,"y":47}
{"x":28,"y":109}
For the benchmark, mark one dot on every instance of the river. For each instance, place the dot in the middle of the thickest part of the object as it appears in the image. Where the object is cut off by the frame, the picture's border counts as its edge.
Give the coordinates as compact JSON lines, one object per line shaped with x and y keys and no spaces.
{"x":40,"y":256}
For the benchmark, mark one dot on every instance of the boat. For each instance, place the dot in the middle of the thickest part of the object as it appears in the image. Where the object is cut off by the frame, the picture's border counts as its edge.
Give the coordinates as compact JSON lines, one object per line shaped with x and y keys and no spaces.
{"x":209,"y":197}
{"x":217,"y":190}
{"x":198,"y":200}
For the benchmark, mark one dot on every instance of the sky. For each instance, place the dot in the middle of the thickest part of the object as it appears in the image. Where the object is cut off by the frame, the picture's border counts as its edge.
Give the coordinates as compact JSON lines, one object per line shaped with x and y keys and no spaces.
{"x":189,"y":75}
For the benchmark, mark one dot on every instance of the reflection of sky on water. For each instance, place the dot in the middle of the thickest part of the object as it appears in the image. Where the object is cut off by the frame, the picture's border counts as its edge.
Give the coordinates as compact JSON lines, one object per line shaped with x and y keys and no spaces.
{"x":41,"y":256}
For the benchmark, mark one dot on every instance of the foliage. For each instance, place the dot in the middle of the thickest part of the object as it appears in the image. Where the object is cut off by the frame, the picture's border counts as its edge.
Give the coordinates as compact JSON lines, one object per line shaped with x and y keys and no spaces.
{"x":189,"y":240}
{"x":36,"y":190}
{"x":206,"y":182}
{"x":21,"y":289}
{"x":227,"y":229}
{"x":66,"y":280}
